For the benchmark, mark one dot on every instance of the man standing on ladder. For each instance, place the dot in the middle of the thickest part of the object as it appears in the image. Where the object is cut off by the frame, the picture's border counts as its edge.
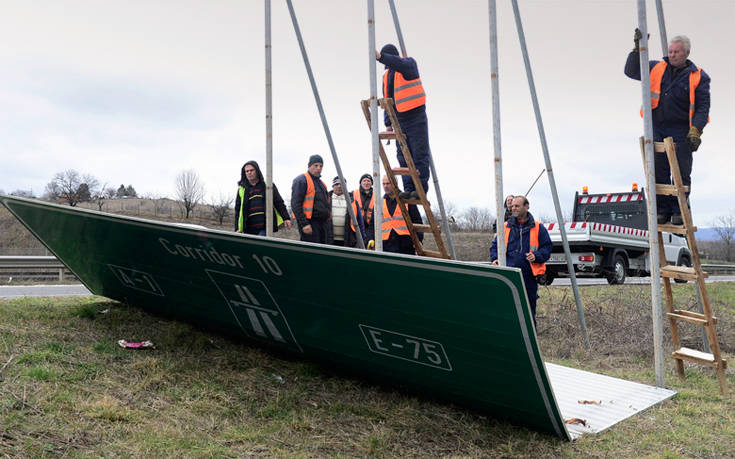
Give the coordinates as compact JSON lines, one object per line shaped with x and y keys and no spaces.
{"x":402,"y":83}
{"x":680,"y":102}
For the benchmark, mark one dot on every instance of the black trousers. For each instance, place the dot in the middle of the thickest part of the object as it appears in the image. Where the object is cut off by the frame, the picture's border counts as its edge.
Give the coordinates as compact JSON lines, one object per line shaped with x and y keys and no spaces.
{"x":668,"y":205}
{"x":318,"y":232}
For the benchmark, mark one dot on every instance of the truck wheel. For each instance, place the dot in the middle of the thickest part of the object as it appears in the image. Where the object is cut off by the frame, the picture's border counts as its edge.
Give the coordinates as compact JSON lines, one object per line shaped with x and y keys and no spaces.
{"x":683,"y":262}
{"x":618,"y":275}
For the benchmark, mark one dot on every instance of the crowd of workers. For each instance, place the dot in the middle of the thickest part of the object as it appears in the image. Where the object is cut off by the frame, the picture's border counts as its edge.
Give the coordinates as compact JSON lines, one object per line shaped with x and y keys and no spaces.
{"x":680,"y":102}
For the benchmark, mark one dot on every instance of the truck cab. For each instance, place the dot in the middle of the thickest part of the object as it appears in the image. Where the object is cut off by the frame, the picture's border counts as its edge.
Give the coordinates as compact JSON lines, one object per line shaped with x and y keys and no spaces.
{"x":608,"y":237}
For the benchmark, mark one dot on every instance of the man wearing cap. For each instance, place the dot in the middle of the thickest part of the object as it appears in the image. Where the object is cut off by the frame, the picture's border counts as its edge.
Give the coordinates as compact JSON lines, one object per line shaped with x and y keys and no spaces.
{"x":395,"y":234}
{"x":402,"y":83}
{"x":365,"y":201}
{"x":343,"y":232}
{"x":310,"y":203}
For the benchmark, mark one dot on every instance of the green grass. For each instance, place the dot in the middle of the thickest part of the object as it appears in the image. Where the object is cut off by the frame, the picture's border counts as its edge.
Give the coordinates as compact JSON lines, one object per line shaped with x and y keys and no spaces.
{"x":70,"y":390}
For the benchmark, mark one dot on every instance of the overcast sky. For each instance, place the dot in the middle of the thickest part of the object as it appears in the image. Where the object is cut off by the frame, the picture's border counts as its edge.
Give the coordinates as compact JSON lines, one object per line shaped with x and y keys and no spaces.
{"x":134,"y":92}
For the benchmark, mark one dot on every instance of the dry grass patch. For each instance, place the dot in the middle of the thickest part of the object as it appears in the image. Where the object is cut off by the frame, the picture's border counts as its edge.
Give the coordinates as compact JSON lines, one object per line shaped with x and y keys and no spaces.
{"x":70,"y":390}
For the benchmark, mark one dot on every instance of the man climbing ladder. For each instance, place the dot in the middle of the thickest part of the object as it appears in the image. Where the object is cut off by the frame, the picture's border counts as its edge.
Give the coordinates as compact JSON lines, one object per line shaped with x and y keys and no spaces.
{"x":401,"y":82}
{"x":680,"y":101}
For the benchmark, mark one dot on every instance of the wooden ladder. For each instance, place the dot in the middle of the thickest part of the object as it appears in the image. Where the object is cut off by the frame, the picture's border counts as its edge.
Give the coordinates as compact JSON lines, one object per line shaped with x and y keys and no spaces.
{"x":694,"y":273}
{"x":398,"y":135}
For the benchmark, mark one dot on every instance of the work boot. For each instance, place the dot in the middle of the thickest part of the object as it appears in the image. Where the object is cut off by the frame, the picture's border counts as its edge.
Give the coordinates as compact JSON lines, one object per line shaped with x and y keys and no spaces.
{"x":662,"y":219}
{"x":405,"y":194}
{"x":676,"y":219}
{"x":414,"y":194}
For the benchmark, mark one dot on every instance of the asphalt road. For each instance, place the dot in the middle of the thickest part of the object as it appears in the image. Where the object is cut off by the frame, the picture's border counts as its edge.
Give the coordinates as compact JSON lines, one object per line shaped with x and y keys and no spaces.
{"x":17,"y":291}
{"x":631,"y":280}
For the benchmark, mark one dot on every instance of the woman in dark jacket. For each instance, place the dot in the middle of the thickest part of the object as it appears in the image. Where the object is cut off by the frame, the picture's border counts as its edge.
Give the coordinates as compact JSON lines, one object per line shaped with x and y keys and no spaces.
{"x":250,"y":203}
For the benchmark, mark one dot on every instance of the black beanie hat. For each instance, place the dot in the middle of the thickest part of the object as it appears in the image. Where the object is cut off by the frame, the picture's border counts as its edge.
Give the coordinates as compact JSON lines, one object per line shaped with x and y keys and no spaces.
{"x":366,"y":176}
{"x":315,"y":159}
{"x":389,"y":49}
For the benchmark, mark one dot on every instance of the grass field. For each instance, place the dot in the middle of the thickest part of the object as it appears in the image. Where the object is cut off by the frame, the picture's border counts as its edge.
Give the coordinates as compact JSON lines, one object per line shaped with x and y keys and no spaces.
{"x":68,"y":389}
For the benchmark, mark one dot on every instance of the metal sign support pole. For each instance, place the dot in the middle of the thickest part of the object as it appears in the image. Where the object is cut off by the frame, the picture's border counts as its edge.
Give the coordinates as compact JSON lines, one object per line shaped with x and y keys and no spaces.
{"x":656,"y":312}
{"x":549,"y":170}
{"x":268,"y":127}
{"x":319,"y":106}
{"x":374,"y":122}
{"x":662,"y":27}
{"x":498,"y":158}
{"x":665,"y":50}
{"x":434,"y":176}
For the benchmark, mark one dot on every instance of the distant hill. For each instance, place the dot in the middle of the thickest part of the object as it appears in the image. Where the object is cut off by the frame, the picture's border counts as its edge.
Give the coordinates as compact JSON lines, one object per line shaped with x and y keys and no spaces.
{"x":707,"y":234}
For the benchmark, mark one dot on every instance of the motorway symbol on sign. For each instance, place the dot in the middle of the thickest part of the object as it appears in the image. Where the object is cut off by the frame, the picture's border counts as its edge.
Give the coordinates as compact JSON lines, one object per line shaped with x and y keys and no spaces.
{"x":254,"y":308}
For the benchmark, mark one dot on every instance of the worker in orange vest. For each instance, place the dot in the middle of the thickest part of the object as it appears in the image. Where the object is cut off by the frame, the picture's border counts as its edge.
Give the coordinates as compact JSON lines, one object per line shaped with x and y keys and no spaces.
{"x":528,"y":247}
{"x":310,"y":203}
{"x":401,"y":82}
{"x":395,"y":234}
{"x":680,"y":101}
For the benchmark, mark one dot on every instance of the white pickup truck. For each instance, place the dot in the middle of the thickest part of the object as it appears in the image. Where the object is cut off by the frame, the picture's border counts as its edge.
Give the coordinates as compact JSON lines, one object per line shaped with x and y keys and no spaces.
{"x":608,"y":237}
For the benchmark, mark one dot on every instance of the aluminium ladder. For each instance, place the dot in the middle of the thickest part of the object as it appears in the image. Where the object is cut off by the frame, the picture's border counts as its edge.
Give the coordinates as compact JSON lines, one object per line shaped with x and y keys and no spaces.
{"x":694,"y":273}
{"x":432,"y":227}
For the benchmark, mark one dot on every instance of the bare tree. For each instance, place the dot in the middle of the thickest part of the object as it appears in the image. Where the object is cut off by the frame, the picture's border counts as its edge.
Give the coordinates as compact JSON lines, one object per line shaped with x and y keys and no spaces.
{"x":476,"y":219}
{"x":102,"y":195}
{"x":189,"y":190}
{"x":71,"y":187}
{"x":724,"y":226}
{"x":221,"y":207}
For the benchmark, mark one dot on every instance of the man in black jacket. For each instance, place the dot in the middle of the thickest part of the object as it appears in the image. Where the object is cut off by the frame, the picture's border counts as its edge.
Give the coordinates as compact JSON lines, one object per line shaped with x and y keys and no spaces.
{"x":310,"y":203}
{"x":250,"y":203}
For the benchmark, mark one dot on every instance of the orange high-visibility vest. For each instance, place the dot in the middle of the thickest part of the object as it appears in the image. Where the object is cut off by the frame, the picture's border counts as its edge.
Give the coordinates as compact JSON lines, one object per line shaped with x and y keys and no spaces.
{"x":657,"y":75}
{"x":407,"y":94}
{"x":536,"y":268}
{"x":357,"y":197}
{"x":394,"y":222}
{"x":308,"y":205}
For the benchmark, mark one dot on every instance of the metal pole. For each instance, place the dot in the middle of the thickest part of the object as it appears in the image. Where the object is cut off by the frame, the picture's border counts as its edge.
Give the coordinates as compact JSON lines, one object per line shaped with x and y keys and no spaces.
{"x":535,"y":181}
{"x":268,"y":126}
{"x":665,"y":50}
{"x":498,"y":158}
{"x":434,"y":176}
{"x":550,"y":172}
{"x":394,"y":13}
{"x":656,"y":312}
{"x":374,"y":121}
{"x":662,"y":27}
{"x":318,"y":101}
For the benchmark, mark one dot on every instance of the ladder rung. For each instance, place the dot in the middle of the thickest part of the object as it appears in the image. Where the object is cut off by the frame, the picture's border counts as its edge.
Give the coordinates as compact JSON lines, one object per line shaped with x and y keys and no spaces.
{"x":675,"y":229}
{"x":691,"y":317}
{"x":415,"y":201}
{"x":694,"y":355}
{"x":670,"y":190}
{"x":681,"y":272}
{"x":387,"y":135}
{"x":431,"y":253}
{"x":401,"y":171}
{"x":424,"y":228}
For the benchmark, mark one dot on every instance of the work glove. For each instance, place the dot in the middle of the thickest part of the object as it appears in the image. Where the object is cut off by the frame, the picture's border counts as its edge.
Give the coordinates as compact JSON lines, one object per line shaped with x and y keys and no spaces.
{"x":694,"y":138}
{"x":371,"y":245}
{"x":637,"y":35}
